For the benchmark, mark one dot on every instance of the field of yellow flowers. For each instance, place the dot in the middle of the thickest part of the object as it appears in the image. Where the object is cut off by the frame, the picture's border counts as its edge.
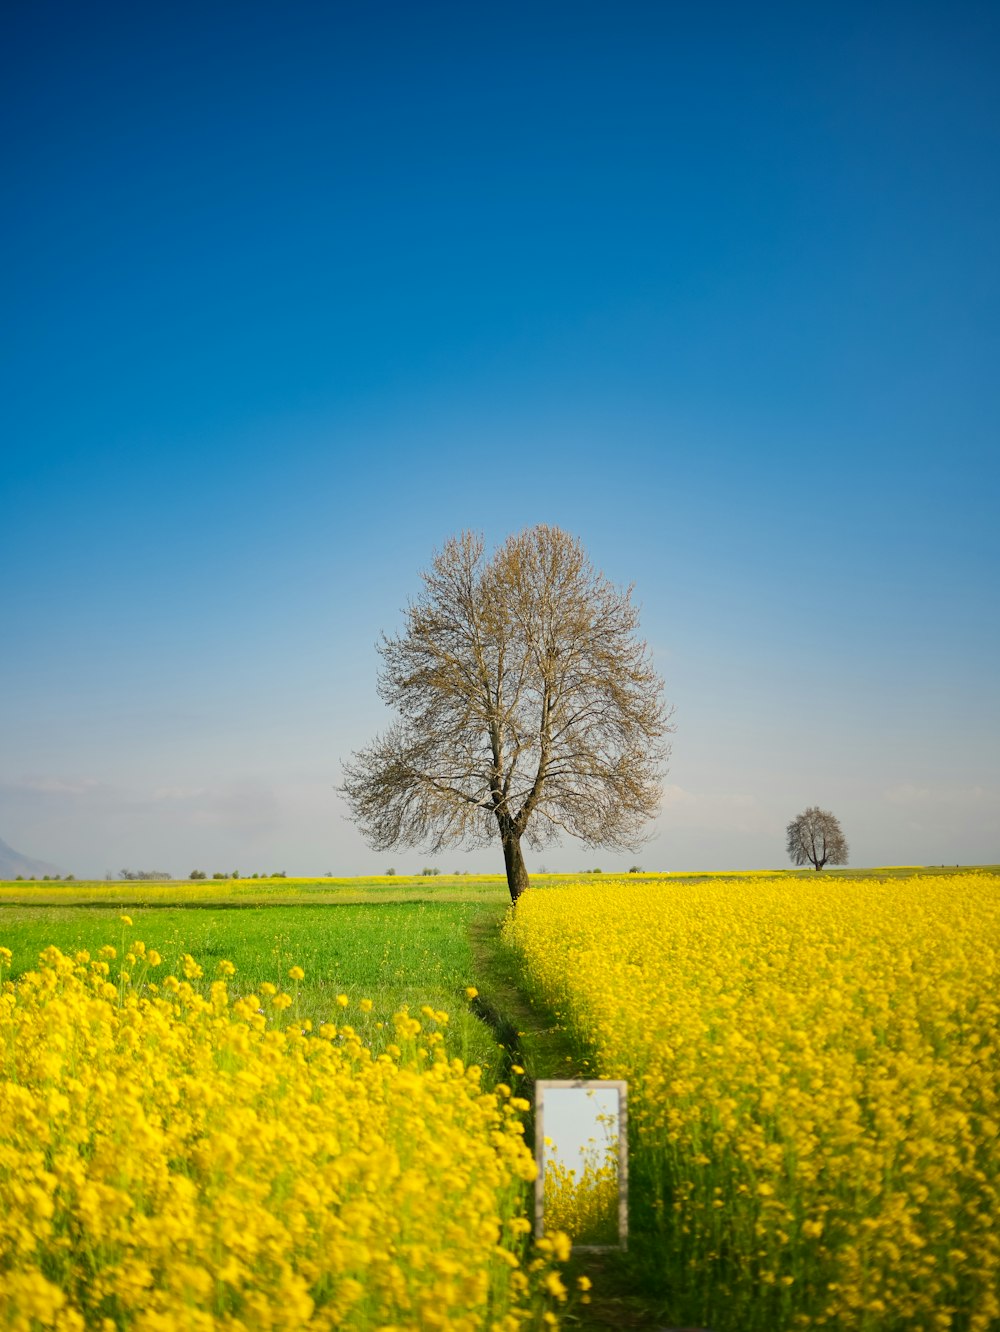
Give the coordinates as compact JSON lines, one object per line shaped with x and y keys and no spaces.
{"x":176,"y":1153}
{"x":582,"y":1200}
{"x":814,"y":1089}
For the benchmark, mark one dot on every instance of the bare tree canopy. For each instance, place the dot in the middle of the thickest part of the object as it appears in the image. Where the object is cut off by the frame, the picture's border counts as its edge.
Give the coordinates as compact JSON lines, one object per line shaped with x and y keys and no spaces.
{"x":527,"y":707}
{"x":815,"y":838}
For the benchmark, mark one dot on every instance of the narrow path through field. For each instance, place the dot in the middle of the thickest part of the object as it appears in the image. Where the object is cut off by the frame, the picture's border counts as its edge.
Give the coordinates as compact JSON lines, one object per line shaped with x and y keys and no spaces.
{"x":533,"y":1038}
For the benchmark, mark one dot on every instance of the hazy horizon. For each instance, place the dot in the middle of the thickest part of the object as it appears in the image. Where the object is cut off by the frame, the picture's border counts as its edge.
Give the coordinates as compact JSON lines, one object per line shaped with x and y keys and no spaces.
{"x":293,"y":298}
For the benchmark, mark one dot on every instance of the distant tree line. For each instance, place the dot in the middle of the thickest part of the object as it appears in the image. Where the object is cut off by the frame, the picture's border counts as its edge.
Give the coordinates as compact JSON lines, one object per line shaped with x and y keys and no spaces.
{"x":237,"y":874}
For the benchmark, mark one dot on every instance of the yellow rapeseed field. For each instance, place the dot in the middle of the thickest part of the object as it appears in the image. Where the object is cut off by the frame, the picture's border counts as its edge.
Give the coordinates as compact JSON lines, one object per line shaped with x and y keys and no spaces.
{"x":582,"y":1201}
{"x":814,"y":1087}
{"x":176,"y":1156}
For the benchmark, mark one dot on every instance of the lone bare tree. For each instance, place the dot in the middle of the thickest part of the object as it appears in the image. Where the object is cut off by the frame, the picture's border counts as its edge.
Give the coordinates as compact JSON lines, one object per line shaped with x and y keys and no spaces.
{"x":815,"y":838}
{"x":527,"y":708}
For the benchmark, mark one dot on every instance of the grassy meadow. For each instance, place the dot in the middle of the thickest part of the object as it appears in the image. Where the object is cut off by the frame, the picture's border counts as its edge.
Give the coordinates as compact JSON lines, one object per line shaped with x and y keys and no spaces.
{"x":396,"y":953}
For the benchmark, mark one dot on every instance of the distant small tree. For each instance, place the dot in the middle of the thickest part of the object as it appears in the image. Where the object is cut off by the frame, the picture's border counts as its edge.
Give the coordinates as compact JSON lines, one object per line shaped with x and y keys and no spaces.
{"x":815,"y":838}
{"x":218,"y":875}
{"x":197,"y":874}
{"x":390,"y":870}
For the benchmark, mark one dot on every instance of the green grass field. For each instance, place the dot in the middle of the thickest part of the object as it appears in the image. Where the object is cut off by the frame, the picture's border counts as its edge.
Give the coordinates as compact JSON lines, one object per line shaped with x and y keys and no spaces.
{"x":395,"y":953}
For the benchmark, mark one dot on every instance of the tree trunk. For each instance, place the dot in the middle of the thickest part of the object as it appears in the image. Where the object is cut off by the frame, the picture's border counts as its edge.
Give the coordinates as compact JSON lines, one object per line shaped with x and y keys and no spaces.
{"x":517,"y":875}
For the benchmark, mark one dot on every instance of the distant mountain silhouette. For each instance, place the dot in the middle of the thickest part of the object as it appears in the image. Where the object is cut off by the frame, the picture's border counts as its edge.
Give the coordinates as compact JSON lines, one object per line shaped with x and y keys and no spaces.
{"x":13,"y":863}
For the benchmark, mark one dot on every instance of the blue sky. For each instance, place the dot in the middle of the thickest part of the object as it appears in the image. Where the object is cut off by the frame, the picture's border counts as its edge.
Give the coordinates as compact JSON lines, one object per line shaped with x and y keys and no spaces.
{"x":294,"y":294}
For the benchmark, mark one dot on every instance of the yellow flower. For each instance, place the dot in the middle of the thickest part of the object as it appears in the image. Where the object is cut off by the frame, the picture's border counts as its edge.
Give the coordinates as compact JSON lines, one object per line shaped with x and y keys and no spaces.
{"x":793,"y":1046}
{"x":296,"y":974}
{"x":561,"y":1245}
{"x":274,"y":1163}
{"x":554,"y":1285}
{"x":471,"y":992}
{"x":125,"y":920}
